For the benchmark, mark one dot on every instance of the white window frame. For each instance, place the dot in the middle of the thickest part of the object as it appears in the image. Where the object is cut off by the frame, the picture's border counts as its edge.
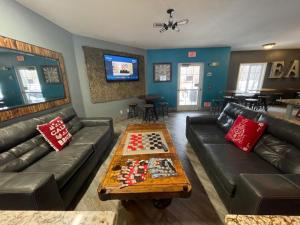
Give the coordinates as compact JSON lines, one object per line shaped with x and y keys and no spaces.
{"x":262,"y":75}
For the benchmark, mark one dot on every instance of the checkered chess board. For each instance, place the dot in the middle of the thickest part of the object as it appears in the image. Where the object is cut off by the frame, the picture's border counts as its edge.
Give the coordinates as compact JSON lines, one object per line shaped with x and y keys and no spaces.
{"x":145,"y":143}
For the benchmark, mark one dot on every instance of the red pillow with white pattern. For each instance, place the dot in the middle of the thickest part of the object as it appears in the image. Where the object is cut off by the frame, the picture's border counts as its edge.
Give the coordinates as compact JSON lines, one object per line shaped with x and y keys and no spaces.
{"x":55,"y":133}
{"x":245,"y":133}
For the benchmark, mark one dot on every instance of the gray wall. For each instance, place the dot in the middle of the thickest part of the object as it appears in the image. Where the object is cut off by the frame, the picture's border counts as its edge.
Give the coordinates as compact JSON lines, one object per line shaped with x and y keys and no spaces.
{"x":238,"y":57}
{"x":110,"y":108}
{"x":22,"y":24}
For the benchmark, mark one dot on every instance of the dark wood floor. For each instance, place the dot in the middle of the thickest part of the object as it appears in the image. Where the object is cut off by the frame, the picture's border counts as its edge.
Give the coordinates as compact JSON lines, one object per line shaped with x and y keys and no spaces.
{"x":198,"y":209}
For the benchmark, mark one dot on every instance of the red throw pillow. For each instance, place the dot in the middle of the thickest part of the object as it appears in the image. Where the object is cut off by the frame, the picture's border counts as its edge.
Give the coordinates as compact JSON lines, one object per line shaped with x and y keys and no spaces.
{"x":55,"y":133}
{"x":245,"y":133}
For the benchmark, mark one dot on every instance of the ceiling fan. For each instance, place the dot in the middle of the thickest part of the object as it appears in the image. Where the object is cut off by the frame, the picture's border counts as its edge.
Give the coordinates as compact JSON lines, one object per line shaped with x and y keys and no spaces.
{"x":171,"y":24}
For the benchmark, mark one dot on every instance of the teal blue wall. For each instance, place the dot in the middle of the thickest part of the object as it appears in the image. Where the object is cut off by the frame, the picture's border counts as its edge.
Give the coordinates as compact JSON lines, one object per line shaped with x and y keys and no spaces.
{"x":212,"y":85}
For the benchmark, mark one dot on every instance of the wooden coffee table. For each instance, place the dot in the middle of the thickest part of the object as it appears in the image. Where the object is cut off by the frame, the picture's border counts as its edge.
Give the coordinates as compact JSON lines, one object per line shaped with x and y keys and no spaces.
{"x":160,"y":190}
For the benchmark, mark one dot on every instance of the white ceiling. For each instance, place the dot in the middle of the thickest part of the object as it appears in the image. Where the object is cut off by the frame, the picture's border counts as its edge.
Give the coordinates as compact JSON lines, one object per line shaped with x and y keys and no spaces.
{"x":241,"y":24}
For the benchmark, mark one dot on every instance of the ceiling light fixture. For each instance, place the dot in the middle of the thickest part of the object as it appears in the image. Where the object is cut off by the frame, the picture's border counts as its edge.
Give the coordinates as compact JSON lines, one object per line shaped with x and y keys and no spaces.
{"x":171,"y":24}
{"x":269,"y":46}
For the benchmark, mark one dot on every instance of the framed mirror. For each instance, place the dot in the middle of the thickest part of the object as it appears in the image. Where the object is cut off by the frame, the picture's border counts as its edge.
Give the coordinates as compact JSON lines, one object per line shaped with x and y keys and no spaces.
{"x":32,"y":79}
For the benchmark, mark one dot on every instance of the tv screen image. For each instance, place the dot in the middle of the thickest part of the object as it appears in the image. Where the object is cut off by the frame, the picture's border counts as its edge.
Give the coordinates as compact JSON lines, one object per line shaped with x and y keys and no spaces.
{"x":120,"y":68}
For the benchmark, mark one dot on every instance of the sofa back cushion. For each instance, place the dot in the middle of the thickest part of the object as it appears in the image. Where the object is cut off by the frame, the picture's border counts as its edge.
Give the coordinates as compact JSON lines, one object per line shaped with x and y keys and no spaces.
{"x":66,"y":114}
{"x":282,"y":129}
{"x":17,"y":133}
{"x":281,"y":144}
{"x":74,"y":125}
{"x":23,"y":155}
{"x":231,"y":112}
{"x":279,"y":153}
{"x":21,"y":144}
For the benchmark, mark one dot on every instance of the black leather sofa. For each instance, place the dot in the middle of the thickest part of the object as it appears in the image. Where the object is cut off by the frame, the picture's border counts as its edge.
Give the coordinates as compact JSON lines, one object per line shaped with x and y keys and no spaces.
{"x":35,"y":177}
{"x":265,"y":181}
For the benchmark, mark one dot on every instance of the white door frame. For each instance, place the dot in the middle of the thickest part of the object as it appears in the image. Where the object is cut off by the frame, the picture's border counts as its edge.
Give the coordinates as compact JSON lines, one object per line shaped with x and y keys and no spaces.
{"x":200,"y":88}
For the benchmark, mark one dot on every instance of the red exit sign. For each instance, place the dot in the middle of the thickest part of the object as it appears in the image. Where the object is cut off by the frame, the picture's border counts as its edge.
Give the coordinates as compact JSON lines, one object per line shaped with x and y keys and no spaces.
{"x":192,"y":54}
{"x":20,"y":58}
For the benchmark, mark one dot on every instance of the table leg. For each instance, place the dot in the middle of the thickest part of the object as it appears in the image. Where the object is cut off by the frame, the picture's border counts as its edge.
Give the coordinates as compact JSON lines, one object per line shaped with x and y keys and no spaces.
{"x":155,"y":112}
{"x":289,"y":111}
{"x":162,"y":203}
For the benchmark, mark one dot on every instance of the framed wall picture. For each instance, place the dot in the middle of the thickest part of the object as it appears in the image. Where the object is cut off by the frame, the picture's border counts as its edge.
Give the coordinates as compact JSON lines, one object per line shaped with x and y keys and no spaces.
{"x":51,"y":74}
{"x":162,"y":72}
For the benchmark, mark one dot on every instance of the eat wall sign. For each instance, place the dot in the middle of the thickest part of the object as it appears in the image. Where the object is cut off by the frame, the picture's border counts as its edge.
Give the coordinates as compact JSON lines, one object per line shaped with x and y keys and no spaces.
{"x":278,"y":70}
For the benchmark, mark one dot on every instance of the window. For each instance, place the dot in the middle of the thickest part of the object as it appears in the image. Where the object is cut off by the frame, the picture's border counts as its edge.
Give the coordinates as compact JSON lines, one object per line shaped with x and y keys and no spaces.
{"x":251,"y":77}
{"x":30,"y":85}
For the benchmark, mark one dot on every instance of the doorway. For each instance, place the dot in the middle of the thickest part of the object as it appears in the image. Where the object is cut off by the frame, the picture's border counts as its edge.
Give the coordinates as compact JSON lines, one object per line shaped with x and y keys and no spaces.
{"x":190,"y":81}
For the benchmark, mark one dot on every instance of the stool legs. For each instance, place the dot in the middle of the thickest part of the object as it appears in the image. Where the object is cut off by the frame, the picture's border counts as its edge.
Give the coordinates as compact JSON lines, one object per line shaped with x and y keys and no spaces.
{"x":164,"y":110}
{"x":132,"y":111}
{"x":149,"y":114}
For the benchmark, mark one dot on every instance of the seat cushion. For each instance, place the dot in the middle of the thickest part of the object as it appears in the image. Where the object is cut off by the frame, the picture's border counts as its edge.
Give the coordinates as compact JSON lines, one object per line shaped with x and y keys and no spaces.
{"x":64,"y":164}
{"x":282,"y":155}
{"x":227,"y":162}
{"x":90,"y":135}
{"x":208,"y":133}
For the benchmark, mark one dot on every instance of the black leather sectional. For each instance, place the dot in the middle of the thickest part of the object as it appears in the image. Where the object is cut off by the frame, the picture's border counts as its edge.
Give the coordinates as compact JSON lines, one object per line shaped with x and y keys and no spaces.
{"x":265,"y":181}
{"x":35,"y":177}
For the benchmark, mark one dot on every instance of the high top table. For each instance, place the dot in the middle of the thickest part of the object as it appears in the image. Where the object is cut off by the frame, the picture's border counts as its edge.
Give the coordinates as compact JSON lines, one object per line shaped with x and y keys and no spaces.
{"x":150,"y":99}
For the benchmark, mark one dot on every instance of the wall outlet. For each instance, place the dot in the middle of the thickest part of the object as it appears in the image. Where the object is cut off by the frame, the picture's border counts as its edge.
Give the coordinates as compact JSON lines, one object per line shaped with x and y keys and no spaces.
{"x":121,"y":112}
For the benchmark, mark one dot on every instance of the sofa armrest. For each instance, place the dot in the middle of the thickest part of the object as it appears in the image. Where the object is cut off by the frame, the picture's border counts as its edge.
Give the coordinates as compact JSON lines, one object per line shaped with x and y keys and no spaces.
{"x":29,"y":191}
{"x":267,"y":194}
{"x":97,"y":121}
{"x":204,"y":119}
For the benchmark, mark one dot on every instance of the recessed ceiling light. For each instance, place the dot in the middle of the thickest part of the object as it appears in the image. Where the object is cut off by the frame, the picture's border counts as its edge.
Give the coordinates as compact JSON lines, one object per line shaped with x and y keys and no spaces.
{"x":269,"y":46}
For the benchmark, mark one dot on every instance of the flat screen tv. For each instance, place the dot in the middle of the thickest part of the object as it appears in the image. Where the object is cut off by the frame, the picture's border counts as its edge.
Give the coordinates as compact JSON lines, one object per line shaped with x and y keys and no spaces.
{"x":121,"y":68}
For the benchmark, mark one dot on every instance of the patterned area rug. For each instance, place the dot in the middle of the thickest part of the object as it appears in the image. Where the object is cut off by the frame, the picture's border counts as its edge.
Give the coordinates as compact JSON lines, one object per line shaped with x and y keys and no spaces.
{"x":203,"y":207}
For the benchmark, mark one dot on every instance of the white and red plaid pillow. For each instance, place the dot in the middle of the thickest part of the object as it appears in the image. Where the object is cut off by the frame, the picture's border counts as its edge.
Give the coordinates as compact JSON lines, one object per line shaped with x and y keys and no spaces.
{"x":55,"y":133}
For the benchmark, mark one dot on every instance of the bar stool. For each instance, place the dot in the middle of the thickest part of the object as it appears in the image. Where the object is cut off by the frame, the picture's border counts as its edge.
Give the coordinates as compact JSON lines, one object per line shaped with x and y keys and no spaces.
{"x":252,"y":103}
{"x":263,"y":101}
{"x":228,"y":99}
{"x":164,"y":107}
{"x":149,"y":113}
{"x":216,"y":106}
{"x":132,"y":110}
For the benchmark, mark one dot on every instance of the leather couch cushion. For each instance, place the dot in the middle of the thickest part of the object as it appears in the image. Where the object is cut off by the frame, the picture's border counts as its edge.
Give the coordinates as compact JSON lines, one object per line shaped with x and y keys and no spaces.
{"x":67,"y":114}
{"x":227,"y":162}
{"x":280,"y":154}
{"x":282,"y":129}
{"x":74,"y":125}
{"x":90,"y":135}
{"x":208,"y":133}
{"x":17,"y":133}
{"x":63,"y":164}
{"x":23,"y":155}
{"x":231,"y":112}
